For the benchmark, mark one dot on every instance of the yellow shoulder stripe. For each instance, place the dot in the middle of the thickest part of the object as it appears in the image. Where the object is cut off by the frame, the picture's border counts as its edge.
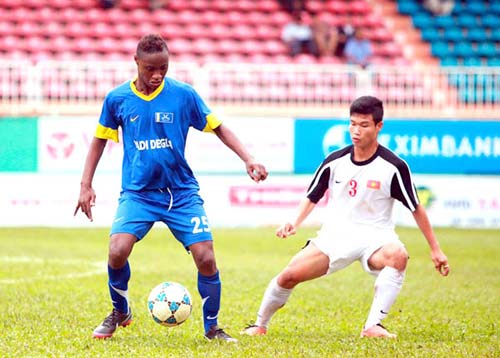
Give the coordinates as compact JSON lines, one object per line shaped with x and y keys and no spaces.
{"x":106,"y":133}
{"x":212,"y":123}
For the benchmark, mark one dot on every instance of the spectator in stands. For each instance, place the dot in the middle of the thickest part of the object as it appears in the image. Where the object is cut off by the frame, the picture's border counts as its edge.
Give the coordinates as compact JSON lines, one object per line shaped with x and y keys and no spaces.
{"x":439,"y":7}
{"x":157,"y":4}
{"x":298,"y":36}
{"x":293,"y":5}
{"x":108,"y":4}
{"x":325,"y":37}
{"x":344,"y":33}
{"x":358,"y":49}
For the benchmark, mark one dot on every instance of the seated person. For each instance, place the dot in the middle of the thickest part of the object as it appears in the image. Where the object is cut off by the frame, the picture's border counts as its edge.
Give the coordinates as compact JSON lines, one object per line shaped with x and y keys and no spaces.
{"x":325,"y":37}
{"x":298,"y":36}
{"x":358,"y":49}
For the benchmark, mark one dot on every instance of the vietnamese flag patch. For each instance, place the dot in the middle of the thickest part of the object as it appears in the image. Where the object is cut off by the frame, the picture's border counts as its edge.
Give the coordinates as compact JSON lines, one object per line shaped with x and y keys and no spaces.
{"x":373,"y":184}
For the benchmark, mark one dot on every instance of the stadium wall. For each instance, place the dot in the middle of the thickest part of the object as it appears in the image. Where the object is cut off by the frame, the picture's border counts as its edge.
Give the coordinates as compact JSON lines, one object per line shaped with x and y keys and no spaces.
{"x":456,"y":167}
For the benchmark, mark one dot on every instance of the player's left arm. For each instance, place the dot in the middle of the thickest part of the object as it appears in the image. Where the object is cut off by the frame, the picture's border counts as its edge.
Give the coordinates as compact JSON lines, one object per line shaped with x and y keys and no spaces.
{"x":438,"y":257}
{"x":404,"y":190}
{"x":255,"y":170}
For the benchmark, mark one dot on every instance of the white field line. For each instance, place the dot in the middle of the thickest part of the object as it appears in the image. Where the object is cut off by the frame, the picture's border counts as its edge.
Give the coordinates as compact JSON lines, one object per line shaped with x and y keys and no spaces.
{"x":95,"y":268}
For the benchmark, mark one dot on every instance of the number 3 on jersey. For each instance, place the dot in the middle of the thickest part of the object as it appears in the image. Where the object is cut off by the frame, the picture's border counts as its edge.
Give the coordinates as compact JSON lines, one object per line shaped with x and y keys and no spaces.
{"x":353,"y":184}
{"x":200,"y":224}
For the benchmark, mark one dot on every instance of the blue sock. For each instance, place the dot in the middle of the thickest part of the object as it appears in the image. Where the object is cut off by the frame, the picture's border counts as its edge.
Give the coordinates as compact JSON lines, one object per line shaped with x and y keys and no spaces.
{"x":209,"y":288}
{"x":118,"y":287}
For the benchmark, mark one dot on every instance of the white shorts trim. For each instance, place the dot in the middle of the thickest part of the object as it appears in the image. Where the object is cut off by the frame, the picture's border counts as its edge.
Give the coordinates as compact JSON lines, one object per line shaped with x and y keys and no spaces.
{"x":356,"y":243}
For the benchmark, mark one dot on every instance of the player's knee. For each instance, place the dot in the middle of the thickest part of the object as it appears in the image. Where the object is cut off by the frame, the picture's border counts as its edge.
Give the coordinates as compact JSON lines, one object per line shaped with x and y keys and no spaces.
{"x":288,"y":279}
{"x":399,"y":257}
{"x":118,"y":253}
{"x":206,"y":265}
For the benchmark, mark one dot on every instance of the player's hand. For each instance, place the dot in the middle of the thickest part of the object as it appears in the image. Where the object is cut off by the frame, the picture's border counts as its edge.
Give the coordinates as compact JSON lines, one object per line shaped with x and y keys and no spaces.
{"x":440,"y":262}
{"x":86,"y":201}
{"x":256,"y":171}
{"x":286,"y":230}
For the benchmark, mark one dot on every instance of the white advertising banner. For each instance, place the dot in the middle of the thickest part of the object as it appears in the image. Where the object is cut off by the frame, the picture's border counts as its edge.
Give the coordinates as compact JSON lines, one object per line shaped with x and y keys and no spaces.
{"x":269,"y":140}
{"x":63,"y":144}
{"x":236,"y":201}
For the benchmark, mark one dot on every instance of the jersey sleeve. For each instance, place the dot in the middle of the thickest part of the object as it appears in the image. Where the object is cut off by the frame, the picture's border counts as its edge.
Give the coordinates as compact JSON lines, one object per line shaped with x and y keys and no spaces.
{"x":202,"y":117}
{"x":107,"y":128}
{"x":402,"y":187}
{"x":319,"y":183}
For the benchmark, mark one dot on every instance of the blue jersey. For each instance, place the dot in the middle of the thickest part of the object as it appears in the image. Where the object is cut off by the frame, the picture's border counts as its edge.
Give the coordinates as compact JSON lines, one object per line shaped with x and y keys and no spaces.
{"x":155,"y":129}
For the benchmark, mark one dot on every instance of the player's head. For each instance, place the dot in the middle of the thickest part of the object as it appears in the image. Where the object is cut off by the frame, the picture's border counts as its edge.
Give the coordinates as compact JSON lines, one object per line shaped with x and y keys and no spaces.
{"x":368,"y":105}
{"x":151,"y":57}
{"x":366,"y":121}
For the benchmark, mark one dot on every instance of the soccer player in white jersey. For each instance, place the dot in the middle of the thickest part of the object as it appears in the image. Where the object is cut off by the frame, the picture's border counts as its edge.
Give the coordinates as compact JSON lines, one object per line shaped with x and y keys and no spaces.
{"x":155,"y":113}
{"x":363,"y":181}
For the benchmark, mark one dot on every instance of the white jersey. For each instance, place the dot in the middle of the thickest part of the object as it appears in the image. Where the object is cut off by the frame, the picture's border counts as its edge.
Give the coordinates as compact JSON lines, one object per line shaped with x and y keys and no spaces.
{"x":362,"y":192}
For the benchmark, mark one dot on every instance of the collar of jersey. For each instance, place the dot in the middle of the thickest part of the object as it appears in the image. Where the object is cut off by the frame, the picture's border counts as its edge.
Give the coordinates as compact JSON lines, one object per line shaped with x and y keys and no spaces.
{"x":142,"y":95}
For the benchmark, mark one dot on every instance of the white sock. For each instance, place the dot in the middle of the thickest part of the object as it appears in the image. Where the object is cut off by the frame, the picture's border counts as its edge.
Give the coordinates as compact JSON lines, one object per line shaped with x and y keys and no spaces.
{"x":387,"y":287}
{"x":274,"y":298}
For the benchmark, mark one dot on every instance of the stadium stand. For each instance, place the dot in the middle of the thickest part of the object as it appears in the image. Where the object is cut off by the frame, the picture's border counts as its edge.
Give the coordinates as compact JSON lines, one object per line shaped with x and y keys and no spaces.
{"x":216,"y":43}
{"x":91,"y":31}
{"x":465,"y":37}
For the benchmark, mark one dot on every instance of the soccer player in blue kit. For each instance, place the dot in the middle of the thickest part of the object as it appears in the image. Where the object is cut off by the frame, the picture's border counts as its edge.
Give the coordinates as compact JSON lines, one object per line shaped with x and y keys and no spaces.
{"x":155,"y":114}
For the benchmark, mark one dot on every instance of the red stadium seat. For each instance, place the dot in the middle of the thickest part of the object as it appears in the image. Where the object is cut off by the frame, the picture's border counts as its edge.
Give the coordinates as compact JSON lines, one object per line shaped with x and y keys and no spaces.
{"x":178,"y":46}
{"x":212,"y":17}
{"x":66,"y":15}
{"x":267,"y":32}
{"x":268,"y":6}
{"x":101,"y":30}
{"x":83,"y":45}
{"x":243,"y":32}
{"x":77,"y":30}
{"x":244,"y":5}
{"x":227,"y":46}
{"x":359,"y":7}
{"x":337,"y":7}
{"x":193,"y":31}
{"x":274,"y":47}
{"x":222,"y":5}
{"x":250,"y":47}
{"x":163,"y":17}
{"x":218,"y":31}
{"x":315,"y":6}
{"x":202,"y":46}
{"x":170,"y":31}
{"x":304,"y":58}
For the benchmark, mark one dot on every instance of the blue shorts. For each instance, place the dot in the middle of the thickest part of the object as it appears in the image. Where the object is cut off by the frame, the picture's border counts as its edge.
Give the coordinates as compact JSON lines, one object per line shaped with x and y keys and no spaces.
{"x":182,"y":211}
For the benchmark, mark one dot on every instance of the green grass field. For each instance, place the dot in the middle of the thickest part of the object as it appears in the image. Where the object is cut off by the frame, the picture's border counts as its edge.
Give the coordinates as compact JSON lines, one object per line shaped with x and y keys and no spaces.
{"x":53,"y":292}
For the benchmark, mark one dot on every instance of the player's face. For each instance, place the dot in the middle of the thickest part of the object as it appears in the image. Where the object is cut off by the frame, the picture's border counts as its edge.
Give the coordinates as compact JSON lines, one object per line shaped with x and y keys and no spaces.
{"x":151,"y":69}
{"x":363,"y":130}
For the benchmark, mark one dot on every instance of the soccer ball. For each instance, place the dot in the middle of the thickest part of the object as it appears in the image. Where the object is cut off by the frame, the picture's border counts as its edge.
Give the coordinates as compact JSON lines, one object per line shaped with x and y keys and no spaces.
{"x":170,"y":304}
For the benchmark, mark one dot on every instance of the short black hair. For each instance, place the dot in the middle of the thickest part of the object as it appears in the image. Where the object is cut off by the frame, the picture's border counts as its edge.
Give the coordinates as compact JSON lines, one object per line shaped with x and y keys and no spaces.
{"x":151,"y":43}
{"x":368,"y":105}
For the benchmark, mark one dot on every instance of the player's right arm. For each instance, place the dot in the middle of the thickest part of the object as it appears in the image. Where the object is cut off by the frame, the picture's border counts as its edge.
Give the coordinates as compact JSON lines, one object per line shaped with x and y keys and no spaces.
{"x":287,"y":229}
{"x":87,"y":194}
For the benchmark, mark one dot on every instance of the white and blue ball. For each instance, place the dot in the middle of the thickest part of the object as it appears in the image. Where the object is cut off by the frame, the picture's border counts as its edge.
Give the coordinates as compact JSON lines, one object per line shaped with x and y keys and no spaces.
{"x":170,"y":304}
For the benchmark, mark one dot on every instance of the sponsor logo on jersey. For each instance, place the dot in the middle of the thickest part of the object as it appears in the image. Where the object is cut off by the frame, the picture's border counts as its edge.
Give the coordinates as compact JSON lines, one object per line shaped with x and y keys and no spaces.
{"x":151,"y":144}
{"x":164,"y":117}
